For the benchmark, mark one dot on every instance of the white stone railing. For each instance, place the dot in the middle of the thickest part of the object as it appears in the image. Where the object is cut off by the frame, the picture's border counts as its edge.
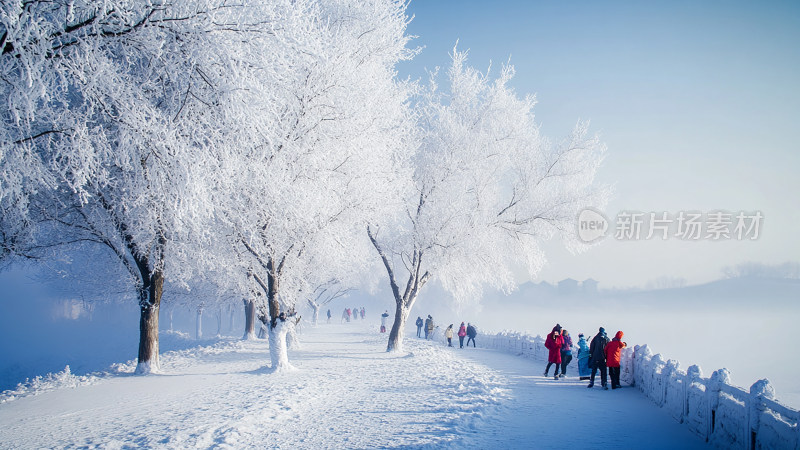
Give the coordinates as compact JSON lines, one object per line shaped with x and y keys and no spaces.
{"x":722,"y":414}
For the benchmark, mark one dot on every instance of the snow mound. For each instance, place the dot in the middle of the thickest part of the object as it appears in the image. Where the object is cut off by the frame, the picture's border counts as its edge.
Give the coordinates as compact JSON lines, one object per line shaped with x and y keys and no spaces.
{"x":46,"y":383}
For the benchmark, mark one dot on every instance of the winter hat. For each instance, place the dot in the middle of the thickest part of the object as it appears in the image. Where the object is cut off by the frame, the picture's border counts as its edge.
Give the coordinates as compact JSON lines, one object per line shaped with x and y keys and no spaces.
{"x":602,"y":330}
{"x":580,"y":335}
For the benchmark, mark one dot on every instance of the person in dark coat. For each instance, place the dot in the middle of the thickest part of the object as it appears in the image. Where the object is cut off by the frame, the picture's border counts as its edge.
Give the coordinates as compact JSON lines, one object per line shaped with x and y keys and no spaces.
{"x":429,"y":327}
{"x":597,"y":360}
{"x":613,"y":355}
{"x":553,"y":342}
{"x":428,"y":324}
{"x":419,"y":326}
{"x":471,"y":333}
{"x":566,"y":352}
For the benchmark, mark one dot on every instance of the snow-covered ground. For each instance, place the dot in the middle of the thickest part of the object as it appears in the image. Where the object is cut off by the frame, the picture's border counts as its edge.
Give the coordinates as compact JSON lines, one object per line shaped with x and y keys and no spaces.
{"x":347,"y":392}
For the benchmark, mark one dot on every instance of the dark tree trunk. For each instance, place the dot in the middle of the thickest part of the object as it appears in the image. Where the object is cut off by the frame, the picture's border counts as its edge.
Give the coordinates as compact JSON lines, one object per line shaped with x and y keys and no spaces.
{"x":272,"y":294}
{"x":396,"y":334}
{"x":149,"y":307}
{"x":249,"y":319}
{"x":404,"y":301}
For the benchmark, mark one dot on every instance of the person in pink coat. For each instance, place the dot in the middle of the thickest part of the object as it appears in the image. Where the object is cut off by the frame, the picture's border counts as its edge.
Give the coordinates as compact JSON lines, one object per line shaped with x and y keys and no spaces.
{"x":553,"y":342}
{"x":462,"y":331}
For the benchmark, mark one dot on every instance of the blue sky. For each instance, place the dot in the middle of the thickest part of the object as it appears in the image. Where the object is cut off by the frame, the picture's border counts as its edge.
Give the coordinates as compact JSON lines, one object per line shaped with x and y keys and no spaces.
{"x":698,"y":103}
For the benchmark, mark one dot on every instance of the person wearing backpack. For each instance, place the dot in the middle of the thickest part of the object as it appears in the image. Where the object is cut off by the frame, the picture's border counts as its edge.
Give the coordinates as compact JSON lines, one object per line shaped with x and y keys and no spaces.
{"x":419,"y":326}
{"x":471,"y":333}
{"x":428,"y":327}
{"x":597,"y":350}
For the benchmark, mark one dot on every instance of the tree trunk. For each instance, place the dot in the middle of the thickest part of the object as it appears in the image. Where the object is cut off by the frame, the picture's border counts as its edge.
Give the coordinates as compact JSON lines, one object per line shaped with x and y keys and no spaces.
{"x":219,"y":320}
{"x":404,"y":301}
{"x":272,"y":298}
{"x":199,"y":328}
{"x":315,"y":316}
{"x":232,"y":317}
{"x":249,"y":319}
{"x":278,"y":350}
{"x":149,"y":305}
{"x":398,"y":327}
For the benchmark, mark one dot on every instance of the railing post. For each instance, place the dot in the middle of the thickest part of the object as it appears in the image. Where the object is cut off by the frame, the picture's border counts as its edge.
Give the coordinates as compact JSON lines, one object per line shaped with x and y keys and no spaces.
{"x":718,"y":378}
{"x":693,"y":373}
{"x":760,"y":390}
{"x":666,"y":374}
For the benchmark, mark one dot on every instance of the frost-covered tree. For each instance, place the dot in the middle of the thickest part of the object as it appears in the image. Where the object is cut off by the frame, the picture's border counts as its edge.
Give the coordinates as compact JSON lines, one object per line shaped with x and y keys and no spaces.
{"x":316,"y":151}
{"x":112,"y":129}
{"x":488,"y":189}
{"x":324,"y":294}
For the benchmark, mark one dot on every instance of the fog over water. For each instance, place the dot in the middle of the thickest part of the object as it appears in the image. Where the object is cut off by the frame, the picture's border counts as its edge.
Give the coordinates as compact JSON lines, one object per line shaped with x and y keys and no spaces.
{"x":748,"y":326}
{"x":745,"y":325}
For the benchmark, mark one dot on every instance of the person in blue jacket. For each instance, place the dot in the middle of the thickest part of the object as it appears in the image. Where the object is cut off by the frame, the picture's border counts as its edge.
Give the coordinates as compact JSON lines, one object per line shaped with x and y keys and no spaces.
{"x":419,"y":326}
{"x":583,"y":358}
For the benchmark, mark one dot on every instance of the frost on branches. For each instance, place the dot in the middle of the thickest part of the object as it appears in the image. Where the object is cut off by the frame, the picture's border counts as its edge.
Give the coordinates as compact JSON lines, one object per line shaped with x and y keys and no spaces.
{"x":108,"y":136}
{"x":160,"y":131}
{"x":314,"y":156}
{"x":487,"y":188}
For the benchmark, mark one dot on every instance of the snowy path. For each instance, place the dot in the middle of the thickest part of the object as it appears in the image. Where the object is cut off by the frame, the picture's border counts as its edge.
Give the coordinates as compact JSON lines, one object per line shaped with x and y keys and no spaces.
{"x":346,"y":393}
{"x":545,"y":413}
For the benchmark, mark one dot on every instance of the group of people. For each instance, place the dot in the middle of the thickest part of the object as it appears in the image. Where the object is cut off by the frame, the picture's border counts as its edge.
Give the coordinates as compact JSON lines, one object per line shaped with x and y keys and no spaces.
{"x":603,"y":355}
{"x":348,"y":313}
{"x":469,"y":331}
{"x":427,"y":325}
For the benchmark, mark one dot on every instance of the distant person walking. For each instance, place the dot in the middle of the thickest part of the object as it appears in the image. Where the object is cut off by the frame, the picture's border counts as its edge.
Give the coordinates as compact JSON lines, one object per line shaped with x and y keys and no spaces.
{"x":471,"y":333}
{"x":613,"y":357}
{"x":363,"y":313}
{"x":448,"y":333}
{"x":583,"y":358}
{"x":597,"y":361}
{"x":566,"y":351}
{"x":428,"y":327}
{"x":419,"y":326}
{"x":384,"y":316}
{"x":345,"y":316}
{"x":553,"y":343}
{"x":462,"y":331}
{"x":329,"y":315}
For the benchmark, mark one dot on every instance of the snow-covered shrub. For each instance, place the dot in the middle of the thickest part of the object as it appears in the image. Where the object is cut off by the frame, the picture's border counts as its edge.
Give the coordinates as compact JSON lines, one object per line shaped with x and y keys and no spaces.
{"x":46,"y":383}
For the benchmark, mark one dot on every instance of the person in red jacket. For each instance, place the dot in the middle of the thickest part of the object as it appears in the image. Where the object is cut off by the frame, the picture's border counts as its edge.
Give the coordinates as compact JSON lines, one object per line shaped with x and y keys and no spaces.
{"x":613,"y":354}
{"x":553,"y":342}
